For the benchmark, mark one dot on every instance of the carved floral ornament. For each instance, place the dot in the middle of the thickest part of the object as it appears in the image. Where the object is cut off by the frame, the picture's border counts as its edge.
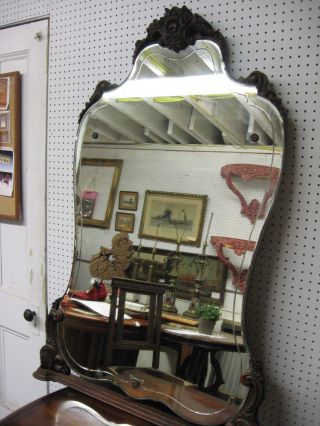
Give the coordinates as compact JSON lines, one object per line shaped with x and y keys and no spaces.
{"x":178,"y":29}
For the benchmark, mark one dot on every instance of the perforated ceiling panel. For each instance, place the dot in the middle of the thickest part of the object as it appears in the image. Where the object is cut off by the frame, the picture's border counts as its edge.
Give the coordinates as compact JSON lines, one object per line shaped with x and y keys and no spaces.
{"x":94,"y":40}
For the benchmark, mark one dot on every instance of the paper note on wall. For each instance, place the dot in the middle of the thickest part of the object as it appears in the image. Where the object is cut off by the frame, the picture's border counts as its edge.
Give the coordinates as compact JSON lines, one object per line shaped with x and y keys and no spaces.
{"x":6,"y":171}
{"x":4,"y":92}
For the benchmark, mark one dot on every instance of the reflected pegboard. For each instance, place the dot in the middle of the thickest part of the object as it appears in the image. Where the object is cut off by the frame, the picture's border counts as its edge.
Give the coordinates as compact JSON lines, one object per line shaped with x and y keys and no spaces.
{"x":94,"y":40}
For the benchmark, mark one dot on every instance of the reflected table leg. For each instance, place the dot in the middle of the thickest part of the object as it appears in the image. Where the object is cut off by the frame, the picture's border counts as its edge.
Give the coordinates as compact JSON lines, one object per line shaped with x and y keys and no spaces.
{"x":94,"y":351}
{"x":195,"y":367}
{"x":216,"y":378}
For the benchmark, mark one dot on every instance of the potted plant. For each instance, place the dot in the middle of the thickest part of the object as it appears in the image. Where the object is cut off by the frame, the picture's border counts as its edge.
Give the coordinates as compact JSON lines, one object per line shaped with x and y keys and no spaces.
{"x":208,"y":314}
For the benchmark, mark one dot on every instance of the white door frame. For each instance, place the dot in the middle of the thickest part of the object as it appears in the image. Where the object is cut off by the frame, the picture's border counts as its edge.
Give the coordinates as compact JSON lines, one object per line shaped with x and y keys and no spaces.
{"x":23,"y":244}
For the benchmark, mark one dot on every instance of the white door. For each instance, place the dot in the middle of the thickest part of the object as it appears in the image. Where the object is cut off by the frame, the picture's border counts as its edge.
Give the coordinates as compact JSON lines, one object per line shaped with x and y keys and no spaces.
{"x":24,"y":48}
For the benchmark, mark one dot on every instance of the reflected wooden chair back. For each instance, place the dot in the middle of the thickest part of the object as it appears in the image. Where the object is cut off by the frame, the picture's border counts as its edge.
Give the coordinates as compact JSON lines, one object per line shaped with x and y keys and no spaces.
{"x":116,"y":340}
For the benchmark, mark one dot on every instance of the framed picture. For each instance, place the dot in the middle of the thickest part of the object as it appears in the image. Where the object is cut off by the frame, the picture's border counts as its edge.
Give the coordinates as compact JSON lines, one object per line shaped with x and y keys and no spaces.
{"x":124,"y":222}
{"x":98,"y":182}
{"x":6,"y":171}
{"x":4,"y":91}
{"x":4,"y":120}
{"x":170,"y":216}
{"x":128,"y":200}
{"x":10,"y":147}
{"x":215,"y":273}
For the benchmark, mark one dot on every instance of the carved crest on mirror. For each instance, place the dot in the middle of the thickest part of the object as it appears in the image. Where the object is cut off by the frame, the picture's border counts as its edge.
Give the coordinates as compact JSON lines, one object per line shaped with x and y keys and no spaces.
{"x":201,"y":157}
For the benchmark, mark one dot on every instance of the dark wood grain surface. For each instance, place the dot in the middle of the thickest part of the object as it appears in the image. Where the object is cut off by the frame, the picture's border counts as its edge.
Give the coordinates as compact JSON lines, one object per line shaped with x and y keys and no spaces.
{"x":68,"y":407}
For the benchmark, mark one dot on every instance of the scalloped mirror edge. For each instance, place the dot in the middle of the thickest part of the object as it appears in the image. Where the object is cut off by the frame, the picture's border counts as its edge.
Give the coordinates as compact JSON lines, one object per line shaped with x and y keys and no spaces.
{"x":178,"y":29}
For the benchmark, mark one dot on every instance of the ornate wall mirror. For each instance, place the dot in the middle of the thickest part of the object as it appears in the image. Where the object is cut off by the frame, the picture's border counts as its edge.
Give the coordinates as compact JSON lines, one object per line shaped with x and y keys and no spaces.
{"x":198,"y":159}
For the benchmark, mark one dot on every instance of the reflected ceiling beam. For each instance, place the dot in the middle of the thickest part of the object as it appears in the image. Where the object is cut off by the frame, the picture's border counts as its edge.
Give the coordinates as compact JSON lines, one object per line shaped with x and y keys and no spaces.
{"x":274,"y":117}
{"x":105,"y":133}
{"x":179,"y":134}
{"x":123,"y":125}
{"x":179,"y":113}
{"x":163,"y":66}
{"x":217,"y":111}
{"x":153,"y":137}
{"x":204,"y":129}
{"x":146,"y":117}
{"x":255,"y":129}
{"x":259,"y":116}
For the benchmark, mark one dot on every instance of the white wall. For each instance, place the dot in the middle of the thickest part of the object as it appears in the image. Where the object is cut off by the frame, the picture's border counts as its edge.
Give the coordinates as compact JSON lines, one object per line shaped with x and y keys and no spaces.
{"x":94,"y":40}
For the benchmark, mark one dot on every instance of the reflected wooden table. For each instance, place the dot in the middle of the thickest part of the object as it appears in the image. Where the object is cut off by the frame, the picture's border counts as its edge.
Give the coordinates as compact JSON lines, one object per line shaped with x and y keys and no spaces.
{"x":87,"y":335}
{"x":195,"y":366}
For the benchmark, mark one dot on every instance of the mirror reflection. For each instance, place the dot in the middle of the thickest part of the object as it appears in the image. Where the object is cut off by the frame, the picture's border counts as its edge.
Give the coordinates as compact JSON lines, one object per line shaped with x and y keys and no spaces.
{"x":175,"y":173}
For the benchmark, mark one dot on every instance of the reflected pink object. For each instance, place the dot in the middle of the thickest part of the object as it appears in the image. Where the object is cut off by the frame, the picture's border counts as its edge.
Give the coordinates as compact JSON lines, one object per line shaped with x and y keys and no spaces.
{"x":254,"y":210}
{"x":239,"y":247}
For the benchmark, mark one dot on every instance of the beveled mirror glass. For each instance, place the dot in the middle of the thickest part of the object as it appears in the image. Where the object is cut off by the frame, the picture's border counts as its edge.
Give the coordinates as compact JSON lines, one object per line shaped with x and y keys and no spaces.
{"x":191,"y":162}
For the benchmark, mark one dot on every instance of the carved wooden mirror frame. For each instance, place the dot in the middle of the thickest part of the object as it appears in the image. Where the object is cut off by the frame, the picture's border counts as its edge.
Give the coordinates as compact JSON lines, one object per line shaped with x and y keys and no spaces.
{"x":178,"y":29}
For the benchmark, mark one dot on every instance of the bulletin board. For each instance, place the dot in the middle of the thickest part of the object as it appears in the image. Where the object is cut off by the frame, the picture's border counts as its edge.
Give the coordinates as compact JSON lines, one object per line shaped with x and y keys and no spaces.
{"x":10,"y":152}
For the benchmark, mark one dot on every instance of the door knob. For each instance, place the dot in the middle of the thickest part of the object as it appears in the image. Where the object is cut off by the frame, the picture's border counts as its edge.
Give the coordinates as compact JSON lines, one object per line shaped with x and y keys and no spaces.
{"x":29,"y":315}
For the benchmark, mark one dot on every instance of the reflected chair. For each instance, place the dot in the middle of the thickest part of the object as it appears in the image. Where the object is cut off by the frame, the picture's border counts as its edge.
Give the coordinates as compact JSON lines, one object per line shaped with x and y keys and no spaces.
{"x":116,"y":340}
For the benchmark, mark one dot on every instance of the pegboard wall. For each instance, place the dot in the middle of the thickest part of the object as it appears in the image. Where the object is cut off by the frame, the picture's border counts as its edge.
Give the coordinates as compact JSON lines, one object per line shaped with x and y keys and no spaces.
{"x":94,"y":40}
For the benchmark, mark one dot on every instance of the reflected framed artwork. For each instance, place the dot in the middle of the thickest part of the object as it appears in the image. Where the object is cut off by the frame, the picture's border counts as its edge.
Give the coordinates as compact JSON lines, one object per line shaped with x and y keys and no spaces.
{"x":124,"y":222}
{"x":171,"y":216}
{"x":214,"y":277}
{"x":98,"y":185}
{"x":128,"y":200}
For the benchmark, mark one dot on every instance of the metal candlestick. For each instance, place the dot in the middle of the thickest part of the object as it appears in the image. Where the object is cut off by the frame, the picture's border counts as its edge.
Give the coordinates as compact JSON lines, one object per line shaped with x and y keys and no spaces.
{"x":151,"y":266}
{"x":136,"y":262}
{"x":135,"y":268}
{"x":191,"y":312}
{"x":154,"y":250}
{"x":169,"y":298}
{"x":150,"y":272}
